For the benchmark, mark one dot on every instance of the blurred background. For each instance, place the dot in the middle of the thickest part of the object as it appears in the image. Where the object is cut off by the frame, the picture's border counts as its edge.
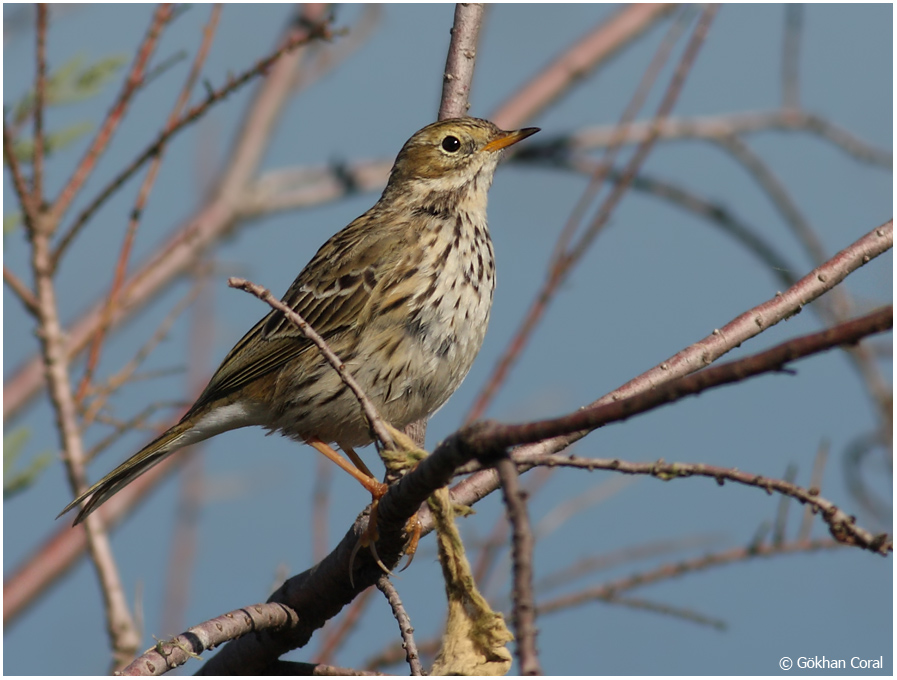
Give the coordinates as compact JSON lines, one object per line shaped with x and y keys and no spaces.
{"x":656,"y":280}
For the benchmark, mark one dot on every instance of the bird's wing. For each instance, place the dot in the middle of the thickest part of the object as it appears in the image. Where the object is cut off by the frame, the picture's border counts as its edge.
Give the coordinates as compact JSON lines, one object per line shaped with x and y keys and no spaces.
{"x":332,"y":293}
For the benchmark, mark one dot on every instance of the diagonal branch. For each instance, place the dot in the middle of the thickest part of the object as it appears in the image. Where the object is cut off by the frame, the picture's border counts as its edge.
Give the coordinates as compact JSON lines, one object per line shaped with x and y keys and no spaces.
{"x":161,"y":17}
{"x":370,"y":411}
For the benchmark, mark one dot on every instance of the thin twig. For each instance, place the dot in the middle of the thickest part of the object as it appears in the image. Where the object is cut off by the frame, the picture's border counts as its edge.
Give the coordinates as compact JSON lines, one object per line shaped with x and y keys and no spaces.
{"x":149,"y":180}
{"x":771,"y":360}
{"x":856,"y":451}
{"x":842,"y":526}
{"x":684,"y":614}
{"x":128,"y":372}
{"x":574,"y":254}
{"x":589,"y":565}
{"x":599,"y":45}
{"x":23,"y":292}
{"x":460,"y":60}
{"x":40,"y":94}
{"x":522,"y":544}
{"x":412,"y":656}
{"x":370,"y":411}
{"x":601,"y":168}
{"x":123,"y":636}
{"x":775,"y":189}
{"x":316,"y":32}
{"x":669,"y":571}
{"x":161,"y":17}
{"x":29,"y":210}
{"x":716,"y":127}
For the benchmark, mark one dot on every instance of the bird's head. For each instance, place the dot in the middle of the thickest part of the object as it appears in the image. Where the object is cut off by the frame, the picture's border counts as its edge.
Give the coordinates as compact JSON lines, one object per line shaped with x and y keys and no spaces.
{"x":454,"y":156}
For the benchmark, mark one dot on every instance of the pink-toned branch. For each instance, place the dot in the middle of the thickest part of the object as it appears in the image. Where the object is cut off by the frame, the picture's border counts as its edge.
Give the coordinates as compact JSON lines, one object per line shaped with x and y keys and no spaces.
{"x":139,"y":205}
{"x":23,"y":292}
{"x":197,"y":233}
{"x":571,"y":257}
{"x":40,"y":93}
{"x":599,"y":45}
{"x":123,"y":636}
{"x":461,"y":59}
{"x":161,"y":17}
{"x":522,"y":545}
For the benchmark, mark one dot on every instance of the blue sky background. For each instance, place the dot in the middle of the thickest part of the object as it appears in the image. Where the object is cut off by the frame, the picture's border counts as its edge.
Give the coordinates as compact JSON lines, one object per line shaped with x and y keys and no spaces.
{"x":657,"y":280}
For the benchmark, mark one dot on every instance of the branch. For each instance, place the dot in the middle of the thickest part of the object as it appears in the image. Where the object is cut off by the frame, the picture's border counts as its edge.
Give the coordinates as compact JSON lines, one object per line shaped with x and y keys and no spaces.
{"x":398,"y":611}
{"x":193,"y":237}
{"x":370,"y":411}
{"x":40,"y":93}
{"x":18,"y":179}
{"x":568,"y":260}
{"x":601,"y":44}
{"x":322,"y":591}
{"x":139,"y":205}
{"x":492,"y":436}
{"x":161,"y":17}
{"x":718,"y":127}
{"x":524,"y":616}
{"x":461,"y":58}
{"x":668,"y":571}
{"x":316,"y":31}
{"x":21,"y":291}
{"x":842,"y":526}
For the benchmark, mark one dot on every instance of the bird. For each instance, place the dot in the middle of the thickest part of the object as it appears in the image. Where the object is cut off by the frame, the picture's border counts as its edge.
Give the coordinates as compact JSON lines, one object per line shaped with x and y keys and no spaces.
{"x":402,"y":295}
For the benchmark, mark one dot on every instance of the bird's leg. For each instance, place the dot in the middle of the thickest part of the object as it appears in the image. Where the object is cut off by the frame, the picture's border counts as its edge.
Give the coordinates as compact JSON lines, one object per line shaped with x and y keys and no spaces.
{"x":364,"y":476}
{"x":359,"y":471}
{"x":403,"y":458}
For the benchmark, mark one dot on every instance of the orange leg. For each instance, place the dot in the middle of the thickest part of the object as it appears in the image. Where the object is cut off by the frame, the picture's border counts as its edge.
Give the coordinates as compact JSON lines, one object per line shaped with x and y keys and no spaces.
{"x":377,"y":489}
{"x":361,"y":473}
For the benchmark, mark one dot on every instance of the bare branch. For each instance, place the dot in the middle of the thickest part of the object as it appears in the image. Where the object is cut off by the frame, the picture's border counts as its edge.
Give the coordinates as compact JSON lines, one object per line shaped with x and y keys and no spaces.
{"x":23,"y":292}
{"x":668,"y":571}
{"x":264,"y":113}
{"x":461,"y":58}
{"x":123,"y":636}
{"x":149,"y":180}
{"x":370,"y":411}
{"x":29,"y":211}
{"x":178,"y":255}
{"x":522,"y":544}
{"x":412,"y":656}
{"x":40,"y":93}
{"x":565,"y":263}
{"x":601,"y":44}
{"x":161,"y":17}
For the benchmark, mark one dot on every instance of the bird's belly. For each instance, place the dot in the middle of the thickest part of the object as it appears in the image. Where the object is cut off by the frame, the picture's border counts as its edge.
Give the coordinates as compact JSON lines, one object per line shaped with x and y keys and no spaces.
{"x":407,"y":372}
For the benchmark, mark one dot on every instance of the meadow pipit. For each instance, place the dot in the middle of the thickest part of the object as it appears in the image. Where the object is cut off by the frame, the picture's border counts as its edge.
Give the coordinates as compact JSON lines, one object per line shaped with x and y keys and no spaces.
{"x":402,"y":295}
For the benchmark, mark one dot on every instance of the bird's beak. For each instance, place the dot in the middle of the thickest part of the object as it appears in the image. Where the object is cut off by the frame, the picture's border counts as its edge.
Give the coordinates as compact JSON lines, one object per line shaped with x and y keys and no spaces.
{"x":509,"y":138}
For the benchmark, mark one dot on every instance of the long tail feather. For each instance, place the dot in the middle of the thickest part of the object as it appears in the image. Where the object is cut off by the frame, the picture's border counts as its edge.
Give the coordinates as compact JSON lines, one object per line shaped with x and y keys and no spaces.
{"x":151,"y":454}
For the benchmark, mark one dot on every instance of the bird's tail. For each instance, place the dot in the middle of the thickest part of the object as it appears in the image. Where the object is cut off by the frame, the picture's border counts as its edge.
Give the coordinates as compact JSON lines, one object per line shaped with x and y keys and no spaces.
{"x":152,"y":454}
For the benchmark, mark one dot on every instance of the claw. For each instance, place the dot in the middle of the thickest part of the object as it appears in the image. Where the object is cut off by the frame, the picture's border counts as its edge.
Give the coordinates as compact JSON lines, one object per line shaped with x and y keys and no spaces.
{"x":413,"y":527}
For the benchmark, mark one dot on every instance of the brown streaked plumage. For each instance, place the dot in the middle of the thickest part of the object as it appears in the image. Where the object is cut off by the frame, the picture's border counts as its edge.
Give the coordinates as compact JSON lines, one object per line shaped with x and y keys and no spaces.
{"x":402,"y":295}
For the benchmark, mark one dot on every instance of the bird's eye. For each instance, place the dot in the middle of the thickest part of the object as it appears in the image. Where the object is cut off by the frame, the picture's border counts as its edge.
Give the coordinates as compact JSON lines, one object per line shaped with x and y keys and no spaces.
{"x":451,"y":144}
